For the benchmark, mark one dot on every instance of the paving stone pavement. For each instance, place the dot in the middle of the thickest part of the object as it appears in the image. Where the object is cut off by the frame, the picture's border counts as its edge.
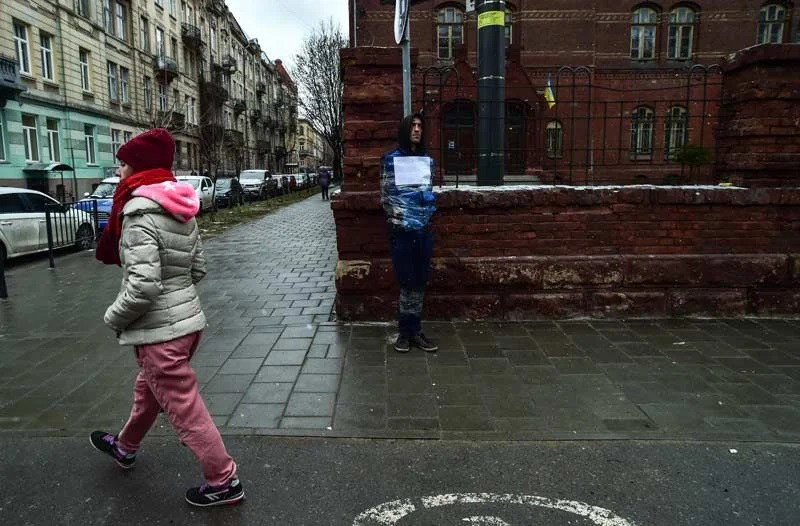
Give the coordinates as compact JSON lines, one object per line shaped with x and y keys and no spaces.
{"x":271,"y":362}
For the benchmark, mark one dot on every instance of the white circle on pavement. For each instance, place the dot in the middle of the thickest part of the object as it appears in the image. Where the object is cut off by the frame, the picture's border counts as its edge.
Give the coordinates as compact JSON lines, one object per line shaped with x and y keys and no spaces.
{"x":392,"y":512}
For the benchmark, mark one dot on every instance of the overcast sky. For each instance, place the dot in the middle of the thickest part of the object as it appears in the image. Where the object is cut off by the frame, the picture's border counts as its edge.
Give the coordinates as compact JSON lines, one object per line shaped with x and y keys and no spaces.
{"x":281,"y":25}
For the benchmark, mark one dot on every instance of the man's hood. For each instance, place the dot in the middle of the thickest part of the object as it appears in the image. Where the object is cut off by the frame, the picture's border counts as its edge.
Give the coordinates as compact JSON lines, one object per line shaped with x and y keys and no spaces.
{"x":404,"y":135}
{"x":177,"y":199}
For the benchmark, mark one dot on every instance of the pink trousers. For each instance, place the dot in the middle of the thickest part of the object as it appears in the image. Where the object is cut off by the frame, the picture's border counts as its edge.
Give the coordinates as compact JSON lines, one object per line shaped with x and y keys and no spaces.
{"x":166,"y":380}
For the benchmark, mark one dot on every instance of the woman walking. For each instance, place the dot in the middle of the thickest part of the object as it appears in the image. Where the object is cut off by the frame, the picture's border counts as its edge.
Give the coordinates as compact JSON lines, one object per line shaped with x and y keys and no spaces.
{"x":153,"y":236}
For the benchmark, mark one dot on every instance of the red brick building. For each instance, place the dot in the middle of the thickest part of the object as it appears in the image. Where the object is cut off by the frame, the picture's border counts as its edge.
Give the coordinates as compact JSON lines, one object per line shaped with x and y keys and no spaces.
{"x":642,"y":82}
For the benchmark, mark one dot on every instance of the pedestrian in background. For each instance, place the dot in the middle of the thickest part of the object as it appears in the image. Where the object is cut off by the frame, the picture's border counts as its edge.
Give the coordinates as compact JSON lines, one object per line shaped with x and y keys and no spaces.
{"x":153,"y":235}
{"x":324,"y":182}
{"x":409,"y":205}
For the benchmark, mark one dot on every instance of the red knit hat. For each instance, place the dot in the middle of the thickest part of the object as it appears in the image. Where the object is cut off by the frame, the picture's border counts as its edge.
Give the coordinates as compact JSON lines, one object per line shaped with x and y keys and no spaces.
{"x":152,"y":149}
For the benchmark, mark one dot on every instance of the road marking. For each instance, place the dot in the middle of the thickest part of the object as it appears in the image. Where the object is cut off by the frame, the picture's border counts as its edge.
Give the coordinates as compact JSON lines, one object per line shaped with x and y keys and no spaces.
{"x":390,"y":513}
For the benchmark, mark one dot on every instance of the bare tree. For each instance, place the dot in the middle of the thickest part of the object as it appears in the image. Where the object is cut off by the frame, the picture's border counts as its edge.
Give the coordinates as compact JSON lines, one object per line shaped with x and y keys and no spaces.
{"x":320,"y":85}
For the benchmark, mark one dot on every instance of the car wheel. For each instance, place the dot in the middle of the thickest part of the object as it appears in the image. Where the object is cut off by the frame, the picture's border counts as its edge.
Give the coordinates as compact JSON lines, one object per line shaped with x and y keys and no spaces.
{"x":84,"y":237}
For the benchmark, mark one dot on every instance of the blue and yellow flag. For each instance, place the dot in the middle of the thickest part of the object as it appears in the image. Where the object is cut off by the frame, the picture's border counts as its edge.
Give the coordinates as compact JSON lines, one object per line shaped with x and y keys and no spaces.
{"x":548,"y":95}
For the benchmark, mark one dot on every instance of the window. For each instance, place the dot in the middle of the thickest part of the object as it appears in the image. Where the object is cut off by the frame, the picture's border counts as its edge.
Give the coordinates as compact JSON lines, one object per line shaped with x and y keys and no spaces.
{"x":174,"y":43}
{"x":172,"y":8}
{"x":124,"y":76}
{"x":112,"y":81}
{"x":450,"y":30}
{"x":675,"y":131}
{"x":162,"y":97}
{"x":554,"y":139}
{"x":160,"y":3}
{"x":122,"y":16}
{"x":88,"y":135}
{"x":642,"y":132}
{"x":82,"y":8}
{"x":46,"y":48}
{"x":127,"y":136}
{"x":188,"y":14}
{"x":30,"y":138}
{"x":771,"y":20}
{"x":193,"y":111}
{"x":11,"y":204}
{"x":52,"y":140}
{"x":213,"y":38}
{"x":144,"y":34}
{"x":148,"y":94}
{"x":83,"y":56}
{"x":115,"y":142}
{"x":643,"y":34}
{"x":508,"y":29}
{"x":176,"y":100}
{"x":186,"y":101}
{"x":108,"y":18}
{"x":21,"y":45}
{"x":681,"y":33}
{"x":160,"y":49}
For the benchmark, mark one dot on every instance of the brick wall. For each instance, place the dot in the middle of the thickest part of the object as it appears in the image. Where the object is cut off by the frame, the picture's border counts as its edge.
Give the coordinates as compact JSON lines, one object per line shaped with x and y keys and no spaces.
{"x":759,"y":131}
{"x":554,"y":252}
{"x":571,"y":252}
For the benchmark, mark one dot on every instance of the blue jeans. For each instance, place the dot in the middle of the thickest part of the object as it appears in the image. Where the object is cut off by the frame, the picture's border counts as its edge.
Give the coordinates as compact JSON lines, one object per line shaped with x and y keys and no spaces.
{"x":411,"y":258}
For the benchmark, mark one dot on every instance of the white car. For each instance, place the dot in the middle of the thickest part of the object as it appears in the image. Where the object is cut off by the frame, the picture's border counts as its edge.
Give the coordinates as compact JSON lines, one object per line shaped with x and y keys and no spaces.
{"x":204,"y":188}
{"x":23,"y":223}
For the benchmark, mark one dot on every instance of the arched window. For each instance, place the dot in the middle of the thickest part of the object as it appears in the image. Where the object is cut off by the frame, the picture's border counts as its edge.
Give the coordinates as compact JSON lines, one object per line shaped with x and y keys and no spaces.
{"x":642,"y":132}
{"x":771,"y":20}
{"x":643,"y":34}
{"x":450,"y":30}
{"x":681,"y":33}
{"x":458,"y":137}
{"x":553,"y":138}
{"x":675,"y":131}
{"x":508,"y":29}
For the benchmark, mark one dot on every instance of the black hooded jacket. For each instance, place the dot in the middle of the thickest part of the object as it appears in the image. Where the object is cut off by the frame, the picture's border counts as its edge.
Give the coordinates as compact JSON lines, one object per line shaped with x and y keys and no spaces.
{"x":404,"y":136}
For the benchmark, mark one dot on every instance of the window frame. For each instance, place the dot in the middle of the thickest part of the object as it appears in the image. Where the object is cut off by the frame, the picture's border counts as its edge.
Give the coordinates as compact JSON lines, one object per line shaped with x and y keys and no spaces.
{"x":121,"y":20}
{"x":144,"y":34}
{"x":676,"y":33}
{"x":147,"y":92}
{"x":116,"y":137}
{"x":46,"y":56}
{"x":53,"y":140}
{"x":639,"y":33}
{"x":30,"y":139}
{"x":22,"y":47}
{"x":113,"y":72}
{"x":163,"y":101}
{"x":86,"y":79}
{"x":557,"y":126}
{"x":766,"y":26}
{"x":89,"y":143}
{"x":672,"y":141}
{"x":124,"y":80}
{"x":441,"y":23}
{"x":638,"y":125}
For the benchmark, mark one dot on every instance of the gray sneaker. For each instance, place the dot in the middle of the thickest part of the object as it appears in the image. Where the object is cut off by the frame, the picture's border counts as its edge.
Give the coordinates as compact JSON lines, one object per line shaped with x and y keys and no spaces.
{"x":402,"y":344}
{"x":421,"y":342}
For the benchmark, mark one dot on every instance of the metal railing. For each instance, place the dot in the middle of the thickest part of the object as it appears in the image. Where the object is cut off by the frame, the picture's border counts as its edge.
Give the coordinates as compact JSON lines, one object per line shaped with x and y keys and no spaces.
{"x":599,"y":131}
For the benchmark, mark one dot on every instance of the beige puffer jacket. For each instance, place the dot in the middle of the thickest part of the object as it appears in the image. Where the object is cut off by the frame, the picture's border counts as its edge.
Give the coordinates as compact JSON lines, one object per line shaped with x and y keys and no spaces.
{"x":162,"y":260}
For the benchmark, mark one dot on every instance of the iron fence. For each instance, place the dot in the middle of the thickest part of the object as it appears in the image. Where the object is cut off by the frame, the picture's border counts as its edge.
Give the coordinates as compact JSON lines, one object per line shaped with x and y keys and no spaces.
{"x":74,"y":224}
{"x":599,"y":129}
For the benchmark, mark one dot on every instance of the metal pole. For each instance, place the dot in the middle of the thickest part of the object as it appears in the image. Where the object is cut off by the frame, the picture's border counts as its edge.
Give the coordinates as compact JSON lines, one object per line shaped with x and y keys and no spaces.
{"x":47,"y":217}
{"x":3,"y":288}
{"x":491,"y":91}
{"x":407,"y":70}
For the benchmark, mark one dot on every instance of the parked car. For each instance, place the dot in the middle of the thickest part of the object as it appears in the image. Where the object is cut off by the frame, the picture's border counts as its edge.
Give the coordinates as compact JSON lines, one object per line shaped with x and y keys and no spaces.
{"x":103,"y":194}
{"x":23,"y":223}
{"x":204,"y":188}
{"x":254,"y":183}
{"x":226,"y":193}
{"x":302,"y":181}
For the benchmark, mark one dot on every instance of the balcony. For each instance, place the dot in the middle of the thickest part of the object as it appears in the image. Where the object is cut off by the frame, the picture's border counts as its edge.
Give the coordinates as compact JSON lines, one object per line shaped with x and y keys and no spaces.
{"x":217,"y":7}
{"x":305,"y":153}
{"x":255,"y":114}
{"x":10,"y":82}
{"x":229,"y":64}
{"x":233,"y":137}
{"x":191,"y":36}
{"x":213,"y":93}
{"x":261,"y":88}
{"x":262,"y":146}
{"x":173,"y":120}
{"x":238,"y":106}
{"x":166,"y":66}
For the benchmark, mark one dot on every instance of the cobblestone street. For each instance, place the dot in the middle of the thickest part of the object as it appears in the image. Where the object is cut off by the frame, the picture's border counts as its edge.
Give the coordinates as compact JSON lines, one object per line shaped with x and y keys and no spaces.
{"x":272,"y":363}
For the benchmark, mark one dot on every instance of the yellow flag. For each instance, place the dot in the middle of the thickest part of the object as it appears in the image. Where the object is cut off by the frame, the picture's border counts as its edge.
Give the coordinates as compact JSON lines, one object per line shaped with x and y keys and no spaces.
{"x":548,"y":95}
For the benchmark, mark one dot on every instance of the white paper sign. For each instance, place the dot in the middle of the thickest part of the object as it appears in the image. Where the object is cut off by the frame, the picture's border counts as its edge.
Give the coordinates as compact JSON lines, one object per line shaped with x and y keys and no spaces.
{"x":412,"y":171}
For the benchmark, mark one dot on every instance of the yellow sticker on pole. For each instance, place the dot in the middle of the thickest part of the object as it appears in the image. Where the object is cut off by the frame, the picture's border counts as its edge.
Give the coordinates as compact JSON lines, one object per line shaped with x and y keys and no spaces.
{"x":491,"y":18}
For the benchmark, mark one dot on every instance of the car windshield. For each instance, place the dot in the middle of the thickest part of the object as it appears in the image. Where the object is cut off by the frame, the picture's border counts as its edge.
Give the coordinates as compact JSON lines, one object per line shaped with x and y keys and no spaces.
{"x":104,"y":191}
{"x":223,"y":184}
{"x":194,"y":182}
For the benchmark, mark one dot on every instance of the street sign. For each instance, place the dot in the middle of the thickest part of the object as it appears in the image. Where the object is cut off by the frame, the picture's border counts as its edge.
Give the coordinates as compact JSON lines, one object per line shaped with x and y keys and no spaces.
{"x":400,"y":19}
{"x":470,"y":6}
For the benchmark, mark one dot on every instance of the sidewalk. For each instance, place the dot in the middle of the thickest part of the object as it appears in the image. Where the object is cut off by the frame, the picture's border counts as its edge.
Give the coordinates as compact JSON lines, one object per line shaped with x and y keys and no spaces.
{"x":271,"y":362}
